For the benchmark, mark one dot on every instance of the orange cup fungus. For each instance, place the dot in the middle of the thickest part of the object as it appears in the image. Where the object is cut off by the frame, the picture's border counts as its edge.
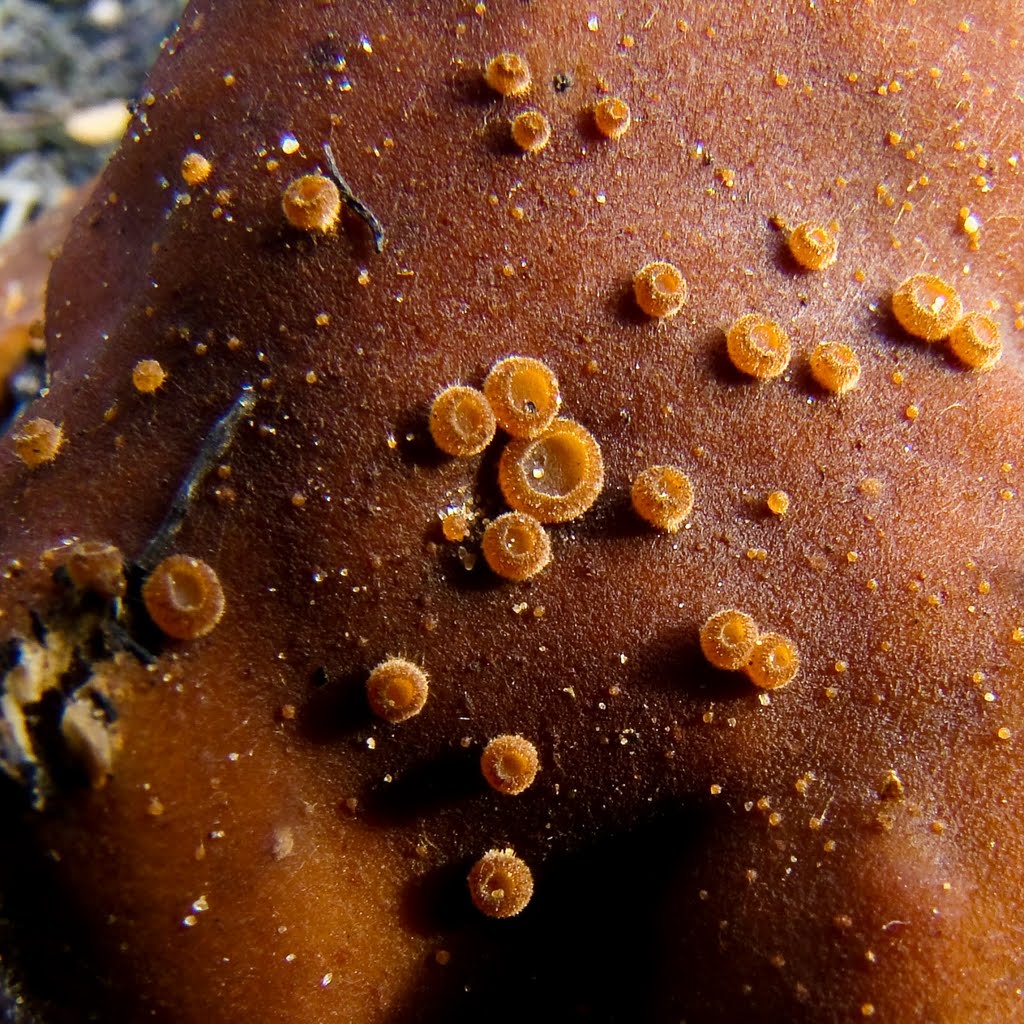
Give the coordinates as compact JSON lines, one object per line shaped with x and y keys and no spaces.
{"x":148,"y":376}
{"x":773,"y":662}
{"x":813,"y":246}
{"x":183,"y":596}
{"x":38,"y":441}
{"x":461,"y":421}
{"x":663,"y":497}
{"x":312,"y":203}
{"x":976,"y":341}
{"x":758,"y":347}
{"x":516,"y":546}
{"x":510,"y":764}
{"x":927,"y":307}
{"x":660,"y":289}
{"x":500,"y":884}
{"x":531,"y":131}
{"x":508,"y":74}
{"x":555,"y":477}
{"x":835,"y":367}
{"x":524,"y":394}
{"x":728,"y":638}
{"x":195,"y":168}
{"x":612,"y":117}
{"x":396,"y":690}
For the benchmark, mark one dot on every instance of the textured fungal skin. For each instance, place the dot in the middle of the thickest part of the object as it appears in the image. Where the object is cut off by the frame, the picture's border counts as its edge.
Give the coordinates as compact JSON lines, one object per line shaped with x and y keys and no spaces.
{"x":331,"y":849}
{"x":184,"y":597}
{"x":461,"y":421}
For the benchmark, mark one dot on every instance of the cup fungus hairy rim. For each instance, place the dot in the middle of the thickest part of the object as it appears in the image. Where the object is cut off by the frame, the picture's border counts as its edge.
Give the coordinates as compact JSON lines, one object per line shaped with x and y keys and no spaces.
{"x":510,"y":764}
{"x":976,"y":341}
{"x":508,"y":74}
{"x":516,"y":546}
{"x":500,"y":884}
{"x":396,"y":690}
{"x":555,"y":477}
{"x":835,"y":367}
{"x":184,"y":598}
{"x":312,"y":203}
{"x":660,"y":289}
{"x":758,"y":347}
{"x":148,"y":376}
{"x":663,"y":497}
{"x":195,"y":168}
{"x":524,"y":395}
{"x":927,"y":307}
{"x":774,"y":661}
{"x":38,"y":441}
{"x":531,"y":131}
{"x":612,"y":117}
{"x":728,"y":639}
{"x":813,"y":246}
{"x":461,"y":421}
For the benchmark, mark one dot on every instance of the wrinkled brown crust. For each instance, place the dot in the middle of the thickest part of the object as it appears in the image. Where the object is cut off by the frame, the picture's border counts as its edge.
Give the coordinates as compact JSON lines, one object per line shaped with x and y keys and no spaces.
{"x":697,"y":853}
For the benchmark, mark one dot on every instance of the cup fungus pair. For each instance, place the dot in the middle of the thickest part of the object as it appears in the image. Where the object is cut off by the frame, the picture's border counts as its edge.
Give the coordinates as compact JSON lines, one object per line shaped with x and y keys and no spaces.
{"x":731,"y":640}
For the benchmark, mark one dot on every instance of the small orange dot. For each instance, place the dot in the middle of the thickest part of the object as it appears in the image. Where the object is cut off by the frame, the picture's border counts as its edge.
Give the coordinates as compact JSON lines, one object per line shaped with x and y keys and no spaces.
{"x":147,"y":376}
{"x":38,"y":441}
{"x":778,"y":502}
{"x":195,"y":168}
{"x":524,"y":394}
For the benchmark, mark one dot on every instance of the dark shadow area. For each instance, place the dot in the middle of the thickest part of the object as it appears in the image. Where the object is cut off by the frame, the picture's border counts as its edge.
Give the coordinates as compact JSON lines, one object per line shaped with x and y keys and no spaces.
{"x":336,"y":708}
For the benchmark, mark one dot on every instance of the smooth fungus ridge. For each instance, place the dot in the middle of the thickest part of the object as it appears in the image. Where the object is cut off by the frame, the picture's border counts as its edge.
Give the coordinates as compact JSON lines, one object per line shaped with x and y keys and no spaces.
{"x":835,"y":367}
{"x":508,"y":74}
{"x":461,"y":421}
{"x":612,"y":117}
{"x":312,"y":203}
{"x":813,"y":246}
{"x":555,"y":477}
{"x":660,"y":289}
{"x":38,"y":441}
{"x":927,"y":307}
{"x":509,"y":764}
{"x":184,"y":597}
{"x":516,"y":546}
{"x":500,"y":884}
{"x":774,"y":661}
{"x":531,"y":131}
{"x":758,"y":346}
{"x":663,"y":497}
{"x":524,"y":394}
{"x":976,"y":341}
{"x":728,"y":638}
{"x":396,"y":690}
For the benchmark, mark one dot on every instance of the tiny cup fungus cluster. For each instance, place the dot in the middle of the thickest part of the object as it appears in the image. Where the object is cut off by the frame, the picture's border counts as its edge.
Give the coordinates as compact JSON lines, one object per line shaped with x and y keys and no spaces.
{"x":291,"y":456}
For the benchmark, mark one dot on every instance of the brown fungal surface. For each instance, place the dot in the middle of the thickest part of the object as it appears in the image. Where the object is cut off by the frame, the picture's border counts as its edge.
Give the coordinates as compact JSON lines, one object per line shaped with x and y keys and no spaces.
{"x":500,"y":884}
{"x":663,"y":496}
{"x":555,"y":477}
{"x":524,"y":394}
{"x":927,"y":307}
{"x":247,"y":841}
{"x":397,"y":690}
{"x":184,"y":597}
{"x":516,"y":546}
{"x":660,"y":289}
{"x":312,"y":202}
{"x":461,"y":421}
{"x":510,"y":764}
